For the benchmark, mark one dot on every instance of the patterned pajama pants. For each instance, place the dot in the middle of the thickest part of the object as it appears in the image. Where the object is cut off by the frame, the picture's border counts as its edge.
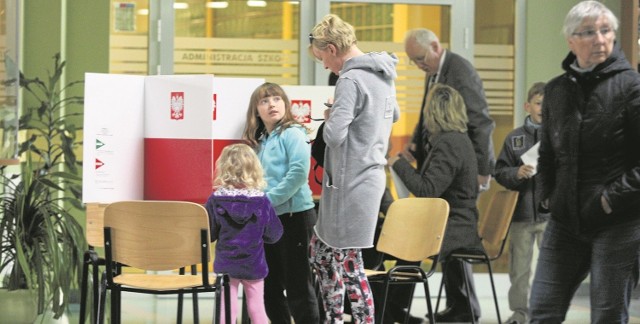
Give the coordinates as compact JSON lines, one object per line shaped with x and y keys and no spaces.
{"x":341,"y":270}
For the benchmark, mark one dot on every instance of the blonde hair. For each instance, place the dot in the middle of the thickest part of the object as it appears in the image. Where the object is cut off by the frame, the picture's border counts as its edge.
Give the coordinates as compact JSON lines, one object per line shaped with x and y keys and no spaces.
{"x":445,"y":111}
{"x":239,"y":167}
{"x":254,"y":126}
{"x":332,"y":30}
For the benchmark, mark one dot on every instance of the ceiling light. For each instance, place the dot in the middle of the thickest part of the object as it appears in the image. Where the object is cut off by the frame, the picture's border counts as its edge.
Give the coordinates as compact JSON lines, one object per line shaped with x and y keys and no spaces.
{"x":143,"y":12}
{"x":256,"y":3}
{"x":217,"y":4}
{"x":180,"y":5}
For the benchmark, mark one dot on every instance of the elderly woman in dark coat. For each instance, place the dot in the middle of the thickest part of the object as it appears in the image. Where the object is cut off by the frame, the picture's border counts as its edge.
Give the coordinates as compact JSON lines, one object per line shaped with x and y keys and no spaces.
{"x":590,"y":170}
{"x":449,"y":172}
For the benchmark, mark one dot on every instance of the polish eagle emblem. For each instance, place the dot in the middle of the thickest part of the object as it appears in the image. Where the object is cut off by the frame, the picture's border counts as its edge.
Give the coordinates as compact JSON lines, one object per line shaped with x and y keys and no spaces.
{"x":177,"y":105}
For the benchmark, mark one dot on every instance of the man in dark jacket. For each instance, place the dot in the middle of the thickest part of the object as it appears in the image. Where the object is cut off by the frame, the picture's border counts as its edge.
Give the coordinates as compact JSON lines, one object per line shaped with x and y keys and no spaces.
{"x":590,"y":170}
{"x":442,"y":66}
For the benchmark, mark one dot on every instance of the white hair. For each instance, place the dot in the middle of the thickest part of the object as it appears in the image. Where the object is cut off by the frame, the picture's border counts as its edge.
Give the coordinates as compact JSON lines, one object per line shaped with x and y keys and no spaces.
{"x":423,"y":37}
{"x":587,"y":10}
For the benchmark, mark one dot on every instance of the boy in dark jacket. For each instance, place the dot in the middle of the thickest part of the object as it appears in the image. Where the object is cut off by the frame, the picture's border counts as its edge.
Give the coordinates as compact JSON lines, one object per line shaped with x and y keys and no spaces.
{"x":528,"y":222}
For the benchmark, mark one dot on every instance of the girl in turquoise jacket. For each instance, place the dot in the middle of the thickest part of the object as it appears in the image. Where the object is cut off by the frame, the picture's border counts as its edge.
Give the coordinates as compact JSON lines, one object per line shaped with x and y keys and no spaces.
{"x":285,"y":154}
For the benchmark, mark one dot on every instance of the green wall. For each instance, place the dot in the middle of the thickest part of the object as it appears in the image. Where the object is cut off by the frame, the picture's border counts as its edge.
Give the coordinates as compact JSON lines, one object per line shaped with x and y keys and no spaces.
{"x":87,"y":40}
{"x":82,"y":38}
{"x":545,"y":44}
{"x":80,"y":33}
{"x":546,"y":47}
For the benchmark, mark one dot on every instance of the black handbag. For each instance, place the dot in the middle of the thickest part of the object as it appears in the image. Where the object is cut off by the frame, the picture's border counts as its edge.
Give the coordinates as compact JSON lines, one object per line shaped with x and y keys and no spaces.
{"x":317,"y":151}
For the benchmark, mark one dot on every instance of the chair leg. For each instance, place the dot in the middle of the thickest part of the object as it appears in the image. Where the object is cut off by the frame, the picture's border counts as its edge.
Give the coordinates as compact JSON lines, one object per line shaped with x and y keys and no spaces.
{"x":245,"y":311}
{"x":194,"y":299}
{"x":180,"y":300}
{"x":84,"y":286}
{"x":380,"y":315}
{"x":116,"y":301}
{"x":408,"y":314}
{"x":96,"y":288}
{"x":222,"y":282}
{"x":439,"y":293}
{"x":493,"y":287}
{"x":227,"y":300}
{"x":216,"y":308}
{"x":427,"y":294}
{"x":467,"y":285}
{"x":102,"y":293}
{"x":115,"y":306}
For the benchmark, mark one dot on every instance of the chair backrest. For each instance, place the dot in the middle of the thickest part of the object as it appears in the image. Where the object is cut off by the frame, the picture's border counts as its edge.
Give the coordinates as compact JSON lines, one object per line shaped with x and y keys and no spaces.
{"x":494,"y":223}
{"x":95,"y":224}
{"x":157,"y":235}
{"x":413,"y":228}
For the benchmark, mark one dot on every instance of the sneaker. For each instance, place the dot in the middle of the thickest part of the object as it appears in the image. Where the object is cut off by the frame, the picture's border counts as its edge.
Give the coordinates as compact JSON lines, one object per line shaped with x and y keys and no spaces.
{"x":517,"y":318}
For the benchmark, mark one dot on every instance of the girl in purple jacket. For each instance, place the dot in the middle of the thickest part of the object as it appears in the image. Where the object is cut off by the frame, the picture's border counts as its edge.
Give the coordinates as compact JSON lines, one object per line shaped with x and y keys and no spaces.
{"x":242,"y":220}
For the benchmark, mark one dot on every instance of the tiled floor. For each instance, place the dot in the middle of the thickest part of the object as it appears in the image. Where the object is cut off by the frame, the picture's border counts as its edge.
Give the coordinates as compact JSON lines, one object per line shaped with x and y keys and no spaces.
{"x":154,"y":310}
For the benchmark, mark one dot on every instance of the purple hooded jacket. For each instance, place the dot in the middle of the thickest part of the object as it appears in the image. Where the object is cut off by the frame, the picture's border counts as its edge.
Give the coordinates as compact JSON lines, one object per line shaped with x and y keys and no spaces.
{"x":242,"y":221}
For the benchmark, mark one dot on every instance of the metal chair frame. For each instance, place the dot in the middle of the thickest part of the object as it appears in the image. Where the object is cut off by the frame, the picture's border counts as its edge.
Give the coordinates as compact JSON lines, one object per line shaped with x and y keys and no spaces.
{"x":493,"y":229}
{"x":413,"y":231}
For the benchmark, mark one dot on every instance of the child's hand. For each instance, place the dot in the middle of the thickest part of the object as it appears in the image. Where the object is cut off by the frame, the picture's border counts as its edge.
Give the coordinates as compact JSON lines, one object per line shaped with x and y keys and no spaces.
{"x":605,"y":205}
{"x":525,"y":172}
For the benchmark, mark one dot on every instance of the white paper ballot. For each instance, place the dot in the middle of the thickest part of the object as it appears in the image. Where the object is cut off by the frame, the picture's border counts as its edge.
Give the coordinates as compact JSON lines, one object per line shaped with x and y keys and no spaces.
{"x":401,"y":188}
{"x":530,"y":157}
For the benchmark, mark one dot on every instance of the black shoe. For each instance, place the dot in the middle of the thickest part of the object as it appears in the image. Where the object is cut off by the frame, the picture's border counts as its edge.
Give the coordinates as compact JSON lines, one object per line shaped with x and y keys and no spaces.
{"x":451,"y":315}
{"x":398,"y":316}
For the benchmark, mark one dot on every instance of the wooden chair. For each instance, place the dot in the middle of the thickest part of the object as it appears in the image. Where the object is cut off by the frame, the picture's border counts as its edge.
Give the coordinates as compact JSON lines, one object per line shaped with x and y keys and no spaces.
{"x":413,"y":230}
{"x":158,"y":236}
{"x":493,"y":228}
{"x":94,"y":233}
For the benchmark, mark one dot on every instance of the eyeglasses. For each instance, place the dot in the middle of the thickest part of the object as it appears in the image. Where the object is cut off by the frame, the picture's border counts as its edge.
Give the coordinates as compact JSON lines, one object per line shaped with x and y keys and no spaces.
{"x":416,"y":60}
{"x":590,"y":34}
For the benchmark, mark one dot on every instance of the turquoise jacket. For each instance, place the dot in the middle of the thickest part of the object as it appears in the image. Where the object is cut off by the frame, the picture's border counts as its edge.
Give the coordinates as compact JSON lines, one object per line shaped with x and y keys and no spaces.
{"x":286,"y":159}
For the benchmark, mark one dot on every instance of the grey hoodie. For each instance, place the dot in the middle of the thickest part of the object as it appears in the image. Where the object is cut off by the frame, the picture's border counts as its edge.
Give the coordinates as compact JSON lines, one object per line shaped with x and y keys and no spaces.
{"x":357,"y":136}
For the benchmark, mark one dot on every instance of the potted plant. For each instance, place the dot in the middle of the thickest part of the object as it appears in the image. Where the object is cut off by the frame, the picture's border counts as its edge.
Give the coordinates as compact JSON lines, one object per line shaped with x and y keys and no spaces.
{"x":41,"y":243}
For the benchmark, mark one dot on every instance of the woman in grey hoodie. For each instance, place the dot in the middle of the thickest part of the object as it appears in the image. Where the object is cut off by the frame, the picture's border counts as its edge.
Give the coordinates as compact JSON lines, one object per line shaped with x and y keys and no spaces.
{"x":357,"y":130}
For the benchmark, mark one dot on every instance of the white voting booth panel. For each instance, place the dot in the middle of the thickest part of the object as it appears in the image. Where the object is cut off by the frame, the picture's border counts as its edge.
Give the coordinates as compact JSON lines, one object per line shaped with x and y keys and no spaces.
{"x":113,"y":153}
{"x":157,"y":137}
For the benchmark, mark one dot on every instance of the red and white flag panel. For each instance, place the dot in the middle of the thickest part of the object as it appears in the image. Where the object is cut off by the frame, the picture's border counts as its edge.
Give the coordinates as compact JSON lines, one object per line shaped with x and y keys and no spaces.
{"x":182,"y":139}
{"x":177,"y":144}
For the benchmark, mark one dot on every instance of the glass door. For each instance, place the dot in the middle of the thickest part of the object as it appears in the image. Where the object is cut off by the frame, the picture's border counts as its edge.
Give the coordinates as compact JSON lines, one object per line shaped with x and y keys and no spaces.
{"x":382,"y":25}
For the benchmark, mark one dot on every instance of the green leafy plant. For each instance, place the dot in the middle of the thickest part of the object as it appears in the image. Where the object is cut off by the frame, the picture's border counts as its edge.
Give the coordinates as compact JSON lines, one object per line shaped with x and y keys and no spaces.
{"x":41,"y":243}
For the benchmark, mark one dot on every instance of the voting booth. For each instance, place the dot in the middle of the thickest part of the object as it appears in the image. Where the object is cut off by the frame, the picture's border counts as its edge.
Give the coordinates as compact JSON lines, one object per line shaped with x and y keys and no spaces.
{"x":158,"y":137}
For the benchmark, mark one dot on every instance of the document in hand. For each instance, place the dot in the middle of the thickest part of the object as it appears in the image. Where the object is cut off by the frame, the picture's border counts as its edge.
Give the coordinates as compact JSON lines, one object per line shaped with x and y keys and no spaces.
{"x":530,"y":157}
{"x":401,"y":188}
